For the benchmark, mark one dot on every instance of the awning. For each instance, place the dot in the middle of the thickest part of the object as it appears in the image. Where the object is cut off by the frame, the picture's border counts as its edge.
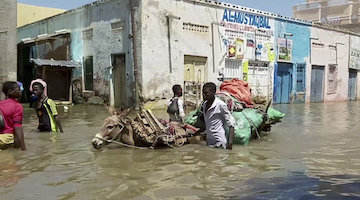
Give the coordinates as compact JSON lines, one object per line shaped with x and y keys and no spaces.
{"x":44,"y":37}
{"x":55,"y":63}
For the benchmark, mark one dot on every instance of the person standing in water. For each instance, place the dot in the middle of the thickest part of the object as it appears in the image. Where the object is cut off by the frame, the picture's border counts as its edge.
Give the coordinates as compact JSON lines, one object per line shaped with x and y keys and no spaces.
{"x":46,"y":111}
{"x":176,"y":105}
{"x":216,"y":117}
{"x":11,"y":111}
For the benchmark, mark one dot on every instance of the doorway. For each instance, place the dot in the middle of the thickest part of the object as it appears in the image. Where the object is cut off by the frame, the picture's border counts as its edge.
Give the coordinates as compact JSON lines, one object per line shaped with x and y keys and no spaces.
{"x":119,"y":80}
{"x":352,"y":84}
{"x":89,"y":73}
{"x":194,"y":78}
{"x":283,"y":85}
{"x":317,"y":84}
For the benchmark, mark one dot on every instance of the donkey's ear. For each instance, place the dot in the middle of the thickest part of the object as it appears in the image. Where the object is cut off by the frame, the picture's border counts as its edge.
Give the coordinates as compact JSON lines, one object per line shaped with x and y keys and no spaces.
{"x":124,"y":113}
{"x":112,"y":111}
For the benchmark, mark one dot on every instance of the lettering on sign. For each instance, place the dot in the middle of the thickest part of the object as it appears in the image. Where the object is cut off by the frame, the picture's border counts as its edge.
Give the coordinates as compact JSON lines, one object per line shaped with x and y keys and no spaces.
{"x":246,"y":19}
{"x":355,"y":53}
{"x":354,"y":62}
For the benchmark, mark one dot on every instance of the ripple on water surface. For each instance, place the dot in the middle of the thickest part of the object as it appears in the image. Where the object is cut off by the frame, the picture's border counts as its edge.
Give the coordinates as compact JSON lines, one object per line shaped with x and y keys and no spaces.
{"x":312,"y":154}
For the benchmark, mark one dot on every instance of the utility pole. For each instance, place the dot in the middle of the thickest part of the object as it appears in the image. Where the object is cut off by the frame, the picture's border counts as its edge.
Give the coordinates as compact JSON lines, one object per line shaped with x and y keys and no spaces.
{"x":136,"y":70}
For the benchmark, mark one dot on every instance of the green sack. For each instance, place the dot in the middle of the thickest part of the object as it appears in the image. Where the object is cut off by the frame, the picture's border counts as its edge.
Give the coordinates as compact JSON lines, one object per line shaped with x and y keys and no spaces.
{"x":191,"y":117}
{"x":245,"y":123}
{"x":274,"y":116}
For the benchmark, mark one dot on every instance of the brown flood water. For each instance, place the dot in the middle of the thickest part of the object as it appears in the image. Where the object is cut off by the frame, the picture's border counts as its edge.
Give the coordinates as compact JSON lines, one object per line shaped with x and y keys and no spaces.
{"x":313,"y":154}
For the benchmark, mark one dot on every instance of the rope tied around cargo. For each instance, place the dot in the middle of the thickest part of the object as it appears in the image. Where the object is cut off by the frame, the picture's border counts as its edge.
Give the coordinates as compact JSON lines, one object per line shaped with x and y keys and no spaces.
{"x":253,"y":125}
{"x":120,"y":143}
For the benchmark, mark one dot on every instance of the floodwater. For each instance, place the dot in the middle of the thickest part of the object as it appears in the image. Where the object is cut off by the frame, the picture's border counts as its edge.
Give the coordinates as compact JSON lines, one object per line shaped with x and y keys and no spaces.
{"x":313,"y":154}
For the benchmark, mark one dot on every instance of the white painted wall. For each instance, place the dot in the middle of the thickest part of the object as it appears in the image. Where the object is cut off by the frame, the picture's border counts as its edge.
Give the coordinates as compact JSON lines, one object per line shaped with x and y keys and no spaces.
{"x":358,"y":86}
{"x":156,"y":77}
{"x":325,"y":56}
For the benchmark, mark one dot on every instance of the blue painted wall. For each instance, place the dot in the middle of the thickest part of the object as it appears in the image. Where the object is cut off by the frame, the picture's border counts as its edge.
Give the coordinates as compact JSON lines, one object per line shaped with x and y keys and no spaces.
{"x":300,"y":54}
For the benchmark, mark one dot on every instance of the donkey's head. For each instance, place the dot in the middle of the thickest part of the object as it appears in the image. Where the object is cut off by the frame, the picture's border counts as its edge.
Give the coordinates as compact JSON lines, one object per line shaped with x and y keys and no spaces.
{"x":117,"y":127}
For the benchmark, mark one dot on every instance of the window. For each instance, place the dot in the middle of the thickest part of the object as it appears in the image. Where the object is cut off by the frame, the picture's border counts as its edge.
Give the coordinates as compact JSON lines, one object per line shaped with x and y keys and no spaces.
{"x":118,"y":25}
{"x":195,"y":27}
{"x":88,"y":72}
{"x":259,"y":77}
{"x":87,"y":34}
{"x":332,"y":82}
{"x":300,"y":78}
{"x":232,"y":69}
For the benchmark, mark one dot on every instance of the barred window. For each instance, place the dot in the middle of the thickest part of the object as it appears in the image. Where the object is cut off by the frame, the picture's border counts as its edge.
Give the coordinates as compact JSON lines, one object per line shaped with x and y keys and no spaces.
{"x":300,"y":78}
{"x":118,"y":25}
{"x":87,"y":34}
{"x":195,"y":27}
{"x":233,"y":69}
{"x":332,"y":79}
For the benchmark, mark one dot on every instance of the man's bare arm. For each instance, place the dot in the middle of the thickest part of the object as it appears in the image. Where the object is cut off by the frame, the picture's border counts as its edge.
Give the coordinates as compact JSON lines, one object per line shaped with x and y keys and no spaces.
{"x":19,"y":137}
{"x":58,"y":123}
{"x":231,"y":138}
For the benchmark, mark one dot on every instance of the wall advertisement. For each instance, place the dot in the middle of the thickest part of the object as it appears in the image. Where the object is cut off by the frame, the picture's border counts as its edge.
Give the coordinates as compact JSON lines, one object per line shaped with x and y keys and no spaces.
{"x":284,"y":50}
{"x":354,"y":61}
{"x":247,"y":36}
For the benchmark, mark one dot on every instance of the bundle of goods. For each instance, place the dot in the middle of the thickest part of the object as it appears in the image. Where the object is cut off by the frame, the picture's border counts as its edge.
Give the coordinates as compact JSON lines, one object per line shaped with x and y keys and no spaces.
{"x":250,"y":119}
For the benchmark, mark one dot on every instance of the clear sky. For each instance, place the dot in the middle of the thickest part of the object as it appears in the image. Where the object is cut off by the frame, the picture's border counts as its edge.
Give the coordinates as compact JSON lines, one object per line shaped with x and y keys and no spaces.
{"x":284,"y":7}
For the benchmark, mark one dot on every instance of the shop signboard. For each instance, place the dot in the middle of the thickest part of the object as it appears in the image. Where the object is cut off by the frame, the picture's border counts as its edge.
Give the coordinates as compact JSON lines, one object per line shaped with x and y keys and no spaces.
{"x":247,"y":36}
{"x":354,"y":53}
{"x":284,"y":50}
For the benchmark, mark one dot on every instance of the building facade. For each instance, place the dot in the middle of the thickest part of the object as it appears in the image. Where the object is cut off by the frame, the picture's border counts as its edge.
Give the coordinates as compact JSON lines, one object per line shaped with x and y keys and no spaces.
{"x":99,"y":37}
{"x":7,"y":41}
{"x":293,"y":50}
{"x":191,"y":42}
{"x":343,"y":13}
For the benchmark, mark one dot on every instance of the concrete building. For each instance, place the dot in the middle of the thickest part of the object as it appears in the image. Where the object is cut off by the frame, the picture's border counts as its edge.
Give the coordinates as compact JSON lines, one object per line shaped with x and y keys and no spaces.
{"x":27,"y":14}
{"x":343,"y":13}
{"x":329,"y":69}
{"x":97,"y":36}
{"x":7,"y":41}
{"x":190,"y":42}
{"x":293,"y":50}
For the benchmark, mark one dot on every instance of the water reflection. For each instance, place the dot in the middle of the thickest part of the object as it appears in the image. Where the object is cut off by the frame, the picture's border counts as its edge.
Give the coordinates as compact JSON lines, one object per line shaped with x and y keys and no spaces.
{"x":313,"y":154}
{"x":9,"y":175}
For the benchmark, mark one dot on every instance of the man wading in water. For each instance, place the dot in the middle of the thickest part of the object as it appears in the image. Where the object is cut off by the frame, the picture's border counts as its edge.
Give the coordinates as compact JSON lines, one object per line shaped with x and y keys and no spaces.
{"x":11,"y":134}
{"x":46,"y":111}
{"x":216,"y":116}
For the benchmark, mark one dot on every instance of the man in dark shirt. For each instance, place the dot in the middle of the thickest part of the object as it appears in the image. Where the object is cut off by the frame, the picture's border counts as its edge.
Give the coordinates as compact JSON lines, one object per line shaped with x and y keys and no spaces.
{"x":46,"y":111}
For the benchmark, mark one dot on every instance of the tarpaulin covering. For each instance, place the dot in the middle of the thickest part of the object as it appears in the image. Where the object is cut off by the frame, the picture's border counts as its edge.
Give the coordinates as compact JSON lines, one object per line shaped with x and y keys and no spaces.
{"x":238,"y":89}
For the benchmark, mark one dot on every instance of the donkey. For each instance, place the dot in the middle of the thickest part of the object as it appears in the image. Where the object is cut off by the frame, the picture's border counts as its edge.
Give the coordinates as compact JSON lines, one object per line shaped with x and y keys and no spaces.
{"x":117,"y":126}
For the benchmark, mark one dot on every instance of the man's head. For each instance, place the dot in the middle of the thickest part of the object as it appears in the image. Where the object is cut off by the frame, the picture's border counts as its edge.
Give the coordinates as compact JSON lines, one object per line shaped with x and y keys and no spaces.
{"x":177,"y":90}
{"x":38,"y":88}
{"x":209,"y":90}
{"x":11,"y":89}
